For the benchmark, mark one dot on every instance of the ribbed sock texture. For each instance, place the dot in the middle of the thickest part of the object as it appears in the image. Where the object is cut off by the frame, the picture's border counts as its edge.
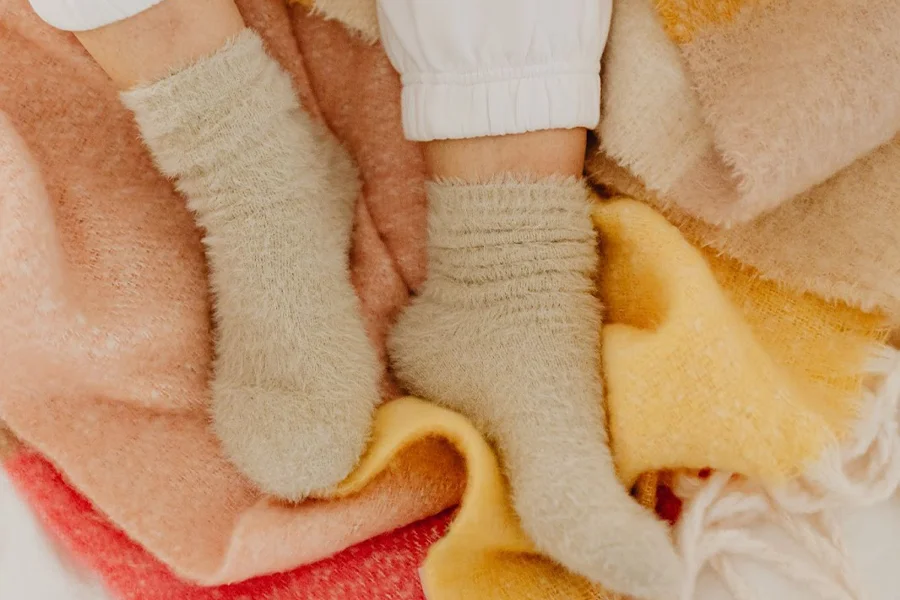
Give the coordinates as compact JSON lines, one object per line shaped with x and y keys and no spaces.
{"x":296,"y":380}
{"x":507,"y":331}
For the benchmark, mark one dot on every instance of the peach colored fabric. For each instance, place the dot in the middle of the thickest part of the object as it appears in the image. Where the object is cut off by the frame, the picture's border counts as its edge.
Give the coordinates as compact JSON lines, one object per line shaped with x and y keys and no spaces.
{"x":104,"y":311}
{"x":759,"y":100}
{"x":794,"y":91}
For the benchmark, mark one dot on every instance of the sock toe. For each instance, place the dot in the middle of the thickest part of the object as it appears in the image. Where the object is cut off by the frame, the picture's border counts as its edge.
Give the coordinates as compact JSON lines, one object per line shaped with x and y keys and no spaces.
{"x":626,"y":551}
{"x":574,"y":508}
{"x":284,"y":440}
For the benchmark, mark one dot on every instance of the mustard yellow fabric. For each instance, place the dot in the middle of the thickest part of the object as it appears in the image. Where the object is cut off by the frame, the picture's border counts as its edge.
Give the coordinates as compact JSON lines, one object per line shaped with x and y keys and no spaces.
{"x":484,"y":555}
{"x":682,"y":19}
{"x":708,"y":365}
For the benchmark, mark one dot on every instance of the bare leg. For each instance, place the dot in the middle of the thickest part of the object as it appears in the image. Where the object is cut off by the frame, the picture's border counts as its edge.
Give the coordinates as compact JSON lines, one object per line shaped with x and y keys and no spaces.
{"x":536,"y":154}
{"x":162,"y":39}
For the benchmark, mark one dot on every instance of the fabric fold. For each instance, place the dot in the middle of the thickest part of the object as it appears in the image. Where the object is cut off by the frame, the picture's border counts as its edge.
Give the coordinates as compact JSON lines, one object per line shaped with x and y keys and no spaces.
{"x":483,"y":553}
{"x":770,"y":98}
{"x":793,"y":91}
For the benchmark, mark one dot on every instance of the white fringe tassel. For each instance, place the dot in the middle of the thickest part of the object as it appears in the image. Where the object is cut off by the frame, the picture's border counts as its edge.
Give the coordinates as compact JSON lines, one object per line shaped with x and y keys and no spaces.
{"x":719,"y":511}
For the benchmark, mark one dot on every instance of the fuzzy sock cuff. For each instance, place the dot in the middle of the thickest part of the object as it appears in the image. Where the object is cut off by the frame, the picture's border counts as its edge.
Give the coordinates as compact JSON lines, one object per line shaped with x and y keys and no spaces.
{"x":226,"y":111}
{"x":230,"y":130}
{"x":214,"y":92}
{"x":509,"y":238}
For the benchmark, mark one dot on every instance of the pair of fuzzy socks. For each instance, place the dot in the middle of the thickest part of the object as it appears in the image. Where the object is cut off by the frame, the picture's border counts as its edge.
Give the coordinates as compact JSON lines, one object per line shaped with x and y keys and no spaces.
{"x":506,"y":329}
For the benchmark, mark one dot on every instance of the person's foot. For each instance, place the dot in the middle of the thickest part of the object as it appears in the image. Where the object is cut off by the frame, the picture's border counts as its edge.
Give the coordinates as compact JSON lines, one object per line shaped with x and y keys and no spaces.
{"x":507,"y":331}
{"x":296,"y":380}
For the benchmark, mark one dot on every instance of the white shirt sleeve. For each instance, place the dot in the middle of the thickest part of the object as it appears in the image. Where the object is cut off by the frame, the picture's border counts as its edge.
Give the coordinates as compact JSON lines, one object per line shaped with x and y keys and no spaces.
{"x":83,"y":15}
{"x":473,"y":68}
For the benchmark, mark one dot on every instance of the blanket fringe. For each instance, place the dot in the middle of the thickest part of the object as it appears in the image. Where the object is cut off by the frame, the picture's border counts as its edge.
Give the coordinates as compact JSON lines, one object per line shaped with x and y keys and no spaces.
{"x":721,"y":510}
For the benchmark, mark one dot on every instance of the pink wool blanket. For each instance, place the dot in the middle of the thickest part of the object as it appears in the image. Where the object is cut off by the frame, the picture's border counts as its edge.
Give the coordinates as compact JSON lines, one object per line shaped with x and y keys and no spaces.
{"x":105,"y":315}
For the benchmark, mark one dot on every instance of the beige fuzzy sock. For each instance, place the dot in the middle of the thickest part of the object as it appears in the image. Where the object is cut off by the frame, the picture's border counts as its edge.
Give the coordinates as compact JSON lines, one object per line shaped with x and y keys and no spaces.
{"x":296,"y":380}
{"x":507,"y":331}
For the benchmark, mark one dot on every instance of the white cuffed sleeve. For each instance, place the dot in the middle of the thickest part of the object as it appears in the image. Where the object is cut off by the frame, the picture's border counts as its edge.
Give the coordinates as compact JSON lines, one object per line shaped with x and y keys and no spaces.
{"x":473,"y":68}
{"x":84,"y":15}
